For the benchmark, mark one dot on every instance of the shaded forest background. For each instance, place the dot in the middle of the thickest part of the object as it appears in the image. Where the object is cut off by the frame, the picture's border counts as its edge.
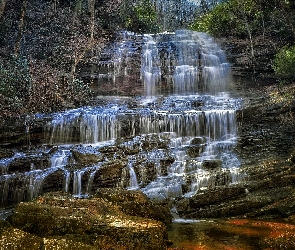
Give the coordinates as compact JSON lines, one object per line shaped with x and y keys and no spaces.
{"x":44,"y":43}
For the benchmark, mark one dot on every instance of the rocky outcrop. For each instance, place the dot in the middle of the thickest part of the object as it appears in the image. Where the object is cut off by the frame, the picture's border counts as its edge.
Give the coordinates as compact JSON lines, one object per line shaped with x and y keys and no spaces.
{"x":111,"y":219}
{"x":266,"y":149}
{"x":266,"y":192}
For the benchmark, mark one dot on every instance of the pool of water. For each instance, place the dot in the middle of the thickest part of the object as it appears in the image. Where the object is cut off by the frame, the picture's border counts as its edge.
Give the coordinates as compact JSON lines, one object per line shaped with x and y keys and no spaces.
{"x":234,"y":234}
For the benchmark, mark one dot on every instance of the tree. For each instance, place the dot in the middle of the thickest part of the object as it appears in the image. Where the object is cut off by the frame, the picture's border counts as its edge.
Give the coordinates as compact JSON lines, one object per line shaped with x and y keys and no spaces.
{"x":2,"y":7}
{"x":20,"y":27}
{"x":284,"y":62}
{"x":139,"y":16}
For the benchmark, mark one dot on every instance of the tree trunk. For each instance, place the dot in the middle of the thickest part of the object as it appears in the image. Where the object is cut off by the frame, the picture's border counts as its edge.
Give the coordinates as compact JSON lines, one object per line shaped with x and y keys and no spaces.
{"x":250,"y":36}
{"x":2,"y":7}
{"x":20,"y":28}
{"x":79,"y":56}
{"x":91,"y":4}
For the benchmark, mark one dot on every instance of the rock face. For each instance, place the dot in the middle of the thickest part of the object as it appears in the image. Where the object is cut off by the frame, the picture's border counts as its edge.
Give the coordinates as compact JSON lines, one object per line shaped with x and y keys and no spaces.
{"x":266,"y":149}
{"x":111,"y":219}
{"x":266,"y":192}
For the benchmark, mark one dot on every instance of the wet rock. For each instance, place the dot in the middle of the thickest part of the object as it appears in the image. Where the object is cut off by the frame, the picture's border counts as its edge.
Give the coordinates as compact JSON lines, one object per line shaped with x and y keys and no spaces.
{"x":292,"y":157}
{"x":267,"y":192}
{"x":62,"y":220}
{"x":194,"y":151}
{"x":198,"y":205}
{"x":130,"y":148}
{"x":145,"y":172}
{"x":53,"y":150}
{"x":86,"y":155}
{"x":136,"y":203}
{"x":53,"y":182}
{"x":111,"y":151}
{"x":211,"y":164}
{"x":197,"y":104}
{"x":197,"y":141}
{"x":154,"y":141}
{"x":165,"y":164}
{"x":6,"y":153}
{"x":26,"y":164}
{"x":109,"y":174}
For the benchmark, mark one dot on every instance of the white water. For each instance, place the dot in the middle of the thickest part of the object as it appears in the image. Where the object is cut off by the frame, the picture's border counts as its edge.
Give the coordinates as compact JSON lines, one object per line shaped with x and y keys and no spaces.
{"x":194,"y":106}
{"x":189,"y":61}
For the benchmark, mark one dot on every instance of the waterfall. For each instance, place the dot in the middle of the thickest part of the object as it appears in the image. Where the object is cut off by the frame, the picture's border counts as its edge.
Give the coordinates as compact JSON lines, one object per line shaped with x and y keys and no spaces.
{"x":77,"y":182}
{"x":185,"y":78}
{"x":198,"y":115}
{"x":133,"y":178}
{"x":190,"y":61}
{"x":76,"y":178}
{"x":67,"y":179}
{"x":151,"y":72}
{"x":91,"y":178}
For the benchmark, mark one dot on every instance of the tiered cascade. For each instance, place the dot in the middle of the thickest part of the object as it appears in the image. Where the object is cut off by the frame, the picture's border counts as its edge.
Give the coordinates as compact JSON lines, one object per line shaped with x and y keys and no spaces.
{"x":173,"y":142}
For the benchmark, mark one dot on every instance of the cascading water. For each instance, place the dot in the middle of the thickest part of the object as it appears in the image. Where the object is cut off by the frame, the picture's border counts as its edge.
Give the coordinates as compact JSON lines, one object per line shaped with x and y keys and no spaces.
{"x":185,"y":77}
{"x":188,"y":61}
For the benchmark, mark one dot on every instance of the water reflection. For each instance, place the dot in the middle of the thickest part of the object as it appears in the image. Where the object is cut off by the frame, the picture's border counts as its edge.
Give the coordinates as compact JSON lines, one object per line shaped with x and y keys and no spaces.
{"x":235,"y":234}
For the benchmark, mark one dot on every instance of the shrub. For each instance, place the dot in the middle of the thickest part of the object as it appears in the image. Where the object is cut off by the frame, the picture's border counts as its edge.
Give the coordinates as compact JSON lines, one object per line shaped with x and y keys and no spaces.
{"x":140,"y":17}
{"x":15,"y":78}
{"x":215,"y":21}
{"x":238,"y":18}
{"x":284,"y":62}
{"x":220,"y":21}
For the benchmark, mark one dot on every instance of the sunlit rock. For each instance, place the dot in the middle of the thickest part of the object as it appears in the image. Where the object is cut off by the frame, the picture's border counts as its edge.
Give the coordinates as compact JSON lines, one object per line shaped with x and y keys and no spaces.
{"x":97,"y":222}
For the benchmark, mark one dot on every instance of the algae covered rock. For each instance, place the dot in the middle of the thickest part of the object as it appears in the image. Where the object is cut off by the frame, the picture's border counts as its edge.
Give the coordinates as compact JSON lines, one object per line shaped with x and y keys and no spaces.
{"x":94,"y":223}
{"x":136,"y":203}
{"x":13,"y":238}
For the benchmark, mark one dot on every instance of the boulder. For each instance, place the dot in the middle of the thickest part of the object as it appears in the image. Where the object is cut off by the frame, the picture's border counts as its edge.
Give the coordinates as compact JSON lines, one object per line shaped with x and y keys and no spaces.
{"x":86,"y":155}
{"x":100,"y":222}
{"x":109,"y":174}
{"x":136,"y":203}
{"x":211,"y":164}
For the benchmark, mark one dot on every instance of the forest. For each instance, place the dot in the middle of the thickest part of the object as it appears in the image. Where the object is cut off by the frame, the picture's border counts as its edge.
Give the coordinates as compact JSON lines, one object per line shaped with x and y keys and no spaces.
{"x":44,"y":44}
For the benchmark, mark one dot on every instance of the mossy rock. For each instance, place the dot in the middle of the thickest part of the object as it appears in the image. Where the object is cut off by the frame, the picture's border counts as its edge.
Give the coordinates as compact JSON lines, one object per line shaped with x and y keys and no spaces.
{"x":97,"y":222}
{"x":13,"y":239}
{"x":136,"y":203}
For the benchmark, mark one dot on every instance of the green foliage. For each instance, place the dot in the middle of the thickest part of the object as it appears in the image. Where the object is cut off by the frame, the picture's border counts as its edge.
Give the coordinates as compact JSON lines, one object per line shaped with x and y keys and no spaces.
{"x":219,"y":21}
{"x":284,"y":63}
{"x":237,"y":18}
{"x":140,"y":17}
{"x":15,"y":78}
